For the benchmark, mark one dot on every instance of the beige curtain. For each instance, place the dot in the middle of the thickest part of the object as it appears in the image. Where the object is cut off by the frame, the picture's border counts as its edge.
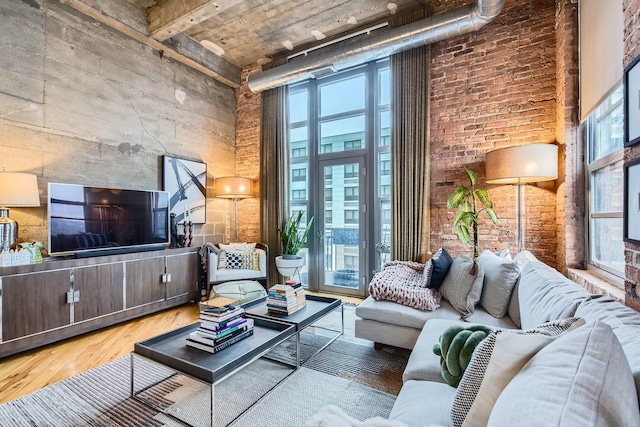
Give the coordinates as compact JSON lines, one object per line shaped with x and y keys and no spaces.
{"x":410,"y":166}
{"x":273,"y":171}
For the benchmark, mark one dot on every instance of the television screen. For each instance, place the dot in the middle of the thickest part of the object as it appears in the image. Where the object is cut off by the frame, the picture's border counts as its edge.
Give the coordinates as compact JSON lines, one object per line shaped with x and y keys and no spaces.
{"x":83,"y":218}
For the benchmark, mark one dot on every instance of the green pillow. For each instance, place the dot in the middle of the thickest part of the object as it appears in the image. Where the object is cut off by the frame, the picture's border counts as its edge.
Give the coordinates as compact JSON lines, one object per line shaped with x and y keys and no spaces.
{"x":455,"y":349}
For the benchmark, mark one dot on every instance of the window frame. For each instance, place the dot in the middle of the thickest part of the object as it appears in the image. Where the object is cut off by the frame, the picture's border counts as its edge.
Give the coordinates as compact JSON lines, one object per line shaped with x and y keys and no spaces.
{"x":606,"y":271}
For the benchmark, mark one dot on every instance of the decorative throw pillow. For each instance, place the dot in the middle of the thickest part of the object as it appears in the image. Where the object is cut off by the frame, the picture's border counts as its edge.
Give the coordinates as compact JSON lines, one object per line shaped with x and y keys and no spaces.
{"x":441,"y":262}
{"x":460,"y":288}
{"x":235,"y":247}
{"x":496,"y":360}
{"x":504,"y":253}
{"x":581,"y":379}
{"x":426,"y":274}
{"x":242,"y":260}
{"x":500,"y":276}
{"x":455,"y":347}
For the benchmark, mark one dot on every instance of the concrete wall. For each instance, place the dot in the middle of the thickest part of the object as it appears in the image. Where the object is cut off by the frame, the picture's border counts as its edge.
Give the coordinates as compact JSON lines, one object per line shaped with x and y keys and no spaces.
{"x":631,"y":51}
{"x":83,"y":104}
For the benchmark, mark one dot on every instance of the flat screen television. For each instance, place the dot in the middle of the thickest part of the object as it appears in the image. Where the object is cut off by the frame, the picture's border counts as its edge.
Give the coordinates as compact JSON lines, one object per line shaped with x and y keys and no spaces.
{"x":87,"y":221}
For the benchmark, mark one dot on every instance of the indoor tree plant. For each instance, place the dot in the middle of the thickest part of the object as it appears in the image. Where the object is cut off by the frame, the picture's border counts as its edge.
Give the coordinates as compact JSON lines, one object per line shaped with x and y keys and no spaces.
{"x":471,"y":202}
{"x":292,"y":239}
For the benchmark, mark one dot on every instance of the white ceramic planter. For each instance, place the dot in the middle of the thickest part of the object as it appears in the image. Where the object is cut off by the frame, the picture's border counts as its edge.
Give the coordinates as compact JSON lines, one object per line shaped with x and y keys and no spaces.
{"x":288,"y":267}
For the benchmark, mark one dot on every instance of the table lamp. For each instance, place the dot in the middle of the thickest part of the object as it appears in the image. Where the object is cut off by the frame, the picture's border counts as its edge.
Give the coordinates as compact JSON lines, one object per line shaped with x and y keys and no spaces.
{"x":234,"y":187}
{"x":16,"y":190}
{"x":520,"y":165}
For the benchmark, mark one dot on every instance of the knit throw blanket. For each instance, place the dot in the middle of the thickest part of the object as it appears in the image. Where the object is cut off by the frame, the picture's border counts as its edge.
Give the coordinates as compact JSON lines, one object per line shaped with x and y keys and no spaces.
{"x":403,"y":282}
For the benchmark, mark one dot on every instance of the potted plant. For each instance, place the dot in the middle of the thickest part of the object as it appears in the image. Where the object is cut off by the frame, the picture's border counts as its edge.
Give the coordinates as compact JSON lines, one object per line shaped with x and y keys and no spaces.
{"x":293,"y":239}
{"x":471,"y":202}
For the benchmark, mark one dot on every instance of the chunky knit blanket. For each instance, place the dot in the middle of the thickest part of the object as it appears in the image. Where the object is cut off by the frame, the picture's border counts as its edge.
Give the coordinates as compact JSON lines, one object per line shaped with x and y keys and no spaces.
{"x":403,"y":282}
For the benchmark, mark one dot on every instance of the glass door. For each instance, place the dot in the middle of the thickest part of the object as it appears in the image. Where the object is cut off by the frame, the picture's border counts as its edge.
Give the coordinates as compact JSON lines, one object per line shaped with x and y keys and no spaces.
{"x":341,"y":226}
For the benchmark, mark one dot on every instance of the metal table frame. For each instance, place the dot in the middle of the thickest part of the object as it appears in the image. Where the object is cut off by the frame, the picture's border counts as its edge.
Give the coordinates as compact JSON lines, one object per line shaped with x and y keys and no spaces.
{"x":317,"y":308}
{"x":170,"y":350}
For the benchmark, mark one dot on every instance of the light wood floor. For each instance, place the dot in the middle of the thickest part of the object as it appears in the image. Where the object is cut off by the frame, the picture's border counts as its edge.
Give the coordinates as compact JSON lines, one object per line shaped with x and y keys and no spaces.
{"x":29,"y":371}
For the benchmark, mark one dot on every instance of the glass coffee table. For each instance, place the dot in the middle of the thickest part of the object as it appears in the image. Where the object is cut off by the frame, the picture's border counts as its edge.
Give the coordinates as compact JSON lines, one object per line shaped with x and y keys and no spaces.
{"x":171,"y":352}
{"x":315,"y":309}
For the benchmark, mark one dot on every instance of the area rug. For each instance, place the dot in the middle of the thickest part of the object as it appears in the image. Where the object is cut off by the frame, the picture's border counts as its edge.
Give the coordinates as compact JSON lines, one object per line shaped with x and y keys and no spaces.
{"x":353,"y":376}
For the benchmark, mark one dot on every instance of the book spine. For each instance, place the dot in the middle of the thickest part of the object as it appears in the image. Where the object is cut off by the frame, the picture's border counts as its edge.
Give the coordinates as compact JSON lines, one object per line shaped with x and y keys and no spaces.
{"x":217,"y":323}
{"x":233,"y":340}
{"x":218,"y":330}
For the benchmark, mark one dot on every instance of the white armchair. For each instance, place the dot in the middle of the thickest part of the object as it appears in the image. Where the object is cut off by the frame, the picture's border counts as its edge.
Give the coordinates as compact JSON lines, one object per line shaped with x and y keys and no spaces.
{"x":223,"y":274}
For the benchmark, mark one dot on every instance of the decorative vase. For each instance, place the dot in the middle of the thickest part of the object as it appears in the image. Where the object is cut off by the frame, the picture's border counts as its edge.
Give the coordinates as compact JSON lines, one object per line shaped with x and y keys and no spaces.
{"x":287,"y":266}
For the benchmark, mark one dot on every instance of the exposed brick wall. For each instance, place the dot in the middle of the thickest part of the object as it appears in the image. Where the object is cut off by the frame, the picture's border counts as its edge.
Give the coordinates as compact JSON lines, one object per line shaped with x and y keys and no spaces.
{"x":631,"y":51}
{"x":248,"y":115}
{"x":570,"y":195}
{"x":491,"y":89}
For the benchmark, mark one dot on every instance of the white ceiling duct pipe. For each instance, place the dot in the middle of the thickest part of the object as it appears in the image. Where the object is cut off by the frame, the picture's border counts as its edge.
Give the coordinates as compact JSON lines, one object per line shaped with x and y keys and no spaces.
{"x":419,"y":33}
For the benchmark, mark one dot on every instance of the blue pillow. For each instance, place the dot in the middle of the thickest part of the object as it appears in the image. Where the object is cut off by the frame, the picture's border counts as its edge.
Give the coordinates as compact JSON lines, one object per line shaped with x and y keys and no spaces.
{"x":441,"y":263}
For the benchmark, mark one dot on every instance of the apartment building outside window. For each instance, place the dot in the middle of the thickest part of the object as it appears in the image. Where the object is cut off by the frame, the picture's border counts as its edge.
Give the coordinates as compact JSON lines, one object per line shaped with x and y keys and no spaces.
{"x":339,"y":132}
{"x":605,"y":156}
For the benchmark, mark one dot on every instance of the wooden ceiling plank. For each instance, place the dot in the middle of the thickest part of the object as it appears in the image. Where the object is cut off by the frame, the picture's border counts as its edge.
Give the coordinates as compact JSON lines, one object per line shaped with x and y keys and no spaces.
{"x":172,"y":17}
{"x":195,"y":56}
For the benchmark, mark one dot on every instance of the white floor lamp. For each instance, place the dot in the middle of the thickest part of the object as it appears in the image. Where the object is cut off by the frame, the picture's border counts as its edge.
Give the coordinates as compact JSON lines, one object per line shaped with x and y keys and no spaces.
{"x":520,"y":165}
{"x":236,"y":188}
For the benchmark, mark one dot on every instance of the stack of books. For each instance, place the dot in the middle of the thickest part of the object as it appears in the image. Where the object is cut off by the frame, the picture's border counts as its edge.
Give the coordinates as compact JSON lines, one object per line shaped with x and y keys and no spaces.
{"x":222,"y":323}
{"x":299,"y":290}
{"x":281,"y":299}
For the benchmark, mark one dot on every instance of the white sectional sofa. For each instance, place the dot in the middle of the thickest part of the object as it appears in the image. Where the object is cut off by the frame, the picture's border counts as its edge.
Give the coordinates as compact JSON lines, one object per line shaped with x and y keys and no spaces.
{"x":589,"y":376}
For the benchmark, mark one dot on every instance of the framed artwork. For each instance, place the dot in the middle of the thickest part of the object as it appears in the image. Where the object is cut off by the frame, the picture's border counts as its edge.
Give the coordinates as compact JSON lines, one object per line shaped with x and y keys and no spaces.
{"x":632,"y":103}
{"x":632,"y":202}
{"x":186,"y":182}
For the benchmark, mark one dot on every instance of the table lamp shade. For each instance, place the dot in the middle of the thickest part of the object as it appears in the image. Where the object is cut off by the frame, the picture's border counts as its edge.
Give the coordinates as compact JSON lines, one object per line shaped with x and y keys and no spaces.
{"x":16,"y":190}
{"x":19,"y":190}
{"x":522,"y":164}
{"x":234,"y":187}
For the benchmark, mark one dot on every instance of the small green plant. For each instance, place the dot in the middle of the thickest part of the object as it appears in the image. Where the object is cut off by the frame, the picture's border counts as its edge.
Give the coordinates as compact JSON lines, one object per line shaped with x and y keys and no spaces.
{"x":292,"y":238}
{"x":470,"y":201}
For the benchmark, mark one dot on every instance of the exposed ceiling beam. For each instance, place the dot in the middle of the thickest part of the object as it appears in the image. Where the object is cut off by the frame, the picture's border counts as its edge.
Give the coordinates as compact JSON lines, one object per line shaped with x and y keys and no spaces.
{"x":118,"y":15}
{"x":171,"y":17}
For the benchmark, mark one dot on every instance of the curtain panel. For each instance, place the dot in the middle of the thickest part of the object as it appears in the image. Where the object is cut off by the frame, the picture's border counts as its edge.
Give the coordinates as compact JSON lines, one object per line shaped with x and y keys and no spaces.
{"x":273,"y":171}
{"x":410,"y":153}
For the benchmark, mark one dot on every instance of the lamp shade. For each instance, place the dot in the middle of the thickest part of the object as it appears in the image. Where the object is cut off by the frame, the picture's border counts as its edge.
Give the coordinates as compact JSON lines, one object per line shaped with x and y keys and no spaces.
{"x":522,"y":164}
{"x":19,"y":190}
{"x":233,"y":187}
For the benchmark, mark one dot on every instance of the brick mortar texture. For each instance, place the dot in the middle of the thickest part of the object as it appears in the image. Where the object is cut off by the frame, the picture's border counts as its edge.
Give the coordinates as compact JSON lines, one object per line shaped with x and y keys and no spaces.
{"x":631,"y":10}
{"x":248,"y":118}
{"x":490,"y":89}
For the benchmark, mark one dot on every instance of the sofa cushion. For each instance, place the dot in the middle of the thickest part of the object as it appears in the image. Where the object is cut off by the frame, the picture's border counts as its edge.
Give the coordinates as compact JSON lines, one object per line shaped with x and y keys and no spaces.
{"x":423,"y":363}
{"x":441,"y":262}
{"x":495,"y":362}
{"x":398,"y":314}
{"x":423,"y":402}
{"x":243,"y":290}
{"x":523,"y":258}
{"x":460,"y":287}
{"x":625,"y":323}
{"x":546,"y":295}
{"x":580,"y":379}
{"x":500,"y":276}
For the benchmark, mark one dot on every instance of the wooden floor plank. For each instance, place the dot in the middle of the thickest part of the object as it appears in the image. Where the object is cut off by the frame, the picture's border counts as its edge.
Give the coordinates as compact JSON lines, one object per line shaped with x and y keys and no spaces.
{"x":27,"y":372}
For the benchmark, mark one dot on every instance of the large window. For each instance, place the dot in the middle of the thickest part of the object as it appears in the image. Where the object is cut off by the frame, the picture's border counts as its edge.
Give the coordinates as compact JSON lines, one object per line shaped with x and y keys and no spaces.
{"x":605,"y":186}
{"x":339,"y":152}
